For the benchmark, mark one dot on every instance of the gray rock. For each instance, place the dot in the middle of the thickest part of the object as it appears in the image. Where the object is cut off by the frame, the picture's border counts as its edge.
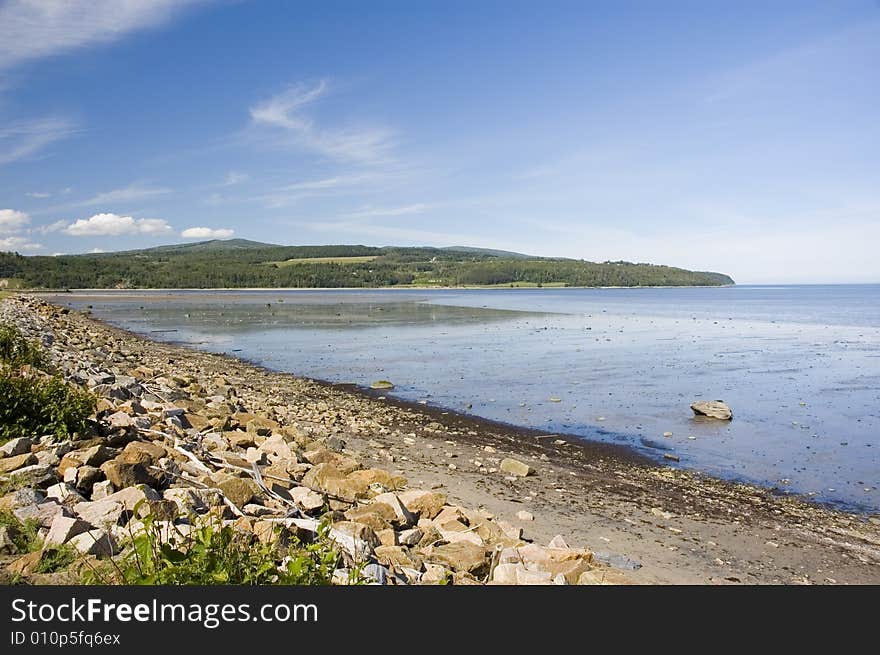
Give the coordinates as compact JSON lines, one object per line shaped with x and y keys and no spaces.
{"x":36,"y":475}
{"x":63,"y":529}
{"x":25,"y":497}
{"x":95,"y":542}
{"x":64,"y":493}
{"x":375,"y":574}
{"x":18,"y":446}
{"x":44,"y":513}
{"x":100,"y":513}
{"x":617,"y":560}
{"x":102,"y":489}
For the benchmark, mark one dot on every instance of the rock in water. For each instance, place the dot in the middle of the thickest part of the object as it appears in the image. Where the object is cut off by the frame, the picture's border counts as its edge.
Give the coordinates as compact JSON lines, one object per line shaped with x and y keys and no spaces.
{"x":717,"y":409}
{"x":382,"y":384}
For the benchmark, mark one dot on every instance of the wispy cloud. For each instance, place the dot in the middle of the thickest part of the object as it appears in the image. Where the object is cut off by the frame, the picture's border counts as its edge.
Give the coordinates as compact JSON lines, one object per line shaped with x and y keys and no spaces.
{"x":128,"y":194}
{"x":207,"y":233}
{"x":116,"y":225}
{"x":284,"y":113}
{"x":390,"y":211}
{"x":289,"y":194}
{"x":38,"y":194}
{"x":26,"y":138}
{"x":234,"y":177}
{"x":32,"y":29}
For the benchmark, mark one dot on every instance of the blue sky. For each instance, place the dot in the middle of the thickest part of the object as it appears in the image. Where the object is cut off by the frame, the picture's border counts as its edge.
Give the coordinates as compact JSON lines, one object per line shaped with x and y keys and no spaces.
{"x":739,"y":137}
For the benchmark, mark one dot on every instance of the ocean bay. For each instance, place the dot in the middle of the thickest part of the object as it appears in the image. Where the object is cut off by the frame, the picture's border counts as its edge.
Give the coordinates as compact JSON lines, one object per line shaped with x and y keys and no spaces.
{"x":799,"y":365}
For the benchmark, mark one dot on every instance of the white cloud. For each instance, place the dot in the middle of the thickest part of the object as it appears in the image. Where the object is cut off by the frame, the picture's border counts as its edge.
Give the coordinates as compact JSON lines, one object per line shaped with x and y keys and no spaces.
{"x":30,"y":29}
{"x":38,"y":194}
{"x":364,"y":144}
{"x":390,"y":211}
{"x":18,"y":243}
{"x":97,"y":251}
{"x":207,"y":233}
{"x":57,"y":226}
{"x":12,"y":220}
{"x":128,"y":194}
{"x":116,"y":225}
{"x":26,"y":138}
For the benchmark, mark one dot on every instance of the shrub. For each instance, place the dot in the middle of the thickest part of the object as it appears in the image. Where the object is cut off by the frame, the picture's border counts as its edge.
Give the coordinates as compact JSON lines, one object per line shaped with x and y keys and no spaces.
{"x":56,"y":558}
{"x":17,"y":351}
{"x":217,"y":554}
{"x":34,"y":405}
{"x":23,"y":534}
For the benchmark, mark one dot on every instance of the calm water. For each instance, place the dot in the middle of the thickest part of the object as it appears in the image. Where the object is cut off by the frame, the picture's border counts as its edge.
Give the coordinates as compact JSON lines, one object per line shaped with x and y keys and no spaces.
{"x":799,"y":365}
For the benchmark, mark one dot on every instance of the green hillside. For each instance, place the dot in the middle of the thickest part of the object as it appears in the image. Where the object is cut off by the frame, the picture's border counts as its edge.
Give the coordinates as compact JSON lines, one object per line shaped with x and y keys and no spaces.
{"x":240,"y":263}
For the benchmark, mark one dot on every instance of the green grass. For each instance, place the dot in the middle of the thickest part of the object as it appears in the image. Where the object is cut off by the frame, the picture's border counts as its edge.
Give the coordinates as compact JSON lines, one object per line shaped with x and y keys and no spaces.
{"x":214,"y":554}
{"x":326,"y":260}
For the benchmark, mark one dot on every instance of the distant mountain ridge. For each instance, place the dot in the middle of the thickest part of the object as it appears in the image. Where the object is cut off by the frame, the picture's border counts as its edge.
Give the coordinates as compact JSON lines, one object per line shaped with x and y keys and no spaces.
{"x":239,"y":263}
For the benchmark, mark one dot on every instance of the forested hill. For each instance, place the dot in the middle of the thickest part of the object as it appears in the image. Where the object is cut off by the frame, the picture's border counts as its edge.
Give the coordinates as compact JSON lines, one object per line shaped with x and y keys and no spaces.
{"x":241,"y":263}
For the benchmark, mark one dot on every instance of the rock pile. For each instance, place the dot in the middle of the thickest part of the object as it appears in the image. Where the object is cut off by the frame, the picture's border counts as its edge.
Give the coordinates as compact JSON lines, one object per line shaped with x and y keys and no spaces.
{"x":183,"y":443}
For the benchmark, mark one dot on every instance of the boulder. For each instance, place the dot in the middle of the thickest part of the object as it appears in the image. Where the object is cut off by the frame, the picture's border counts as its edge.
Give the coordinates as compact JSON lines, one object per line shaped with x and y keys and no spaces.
{"x":716,"y":409}
{"x":571,"y":569}
{"x":331,"y":480}
{"x":462,"y":556}
{"x":100,"y":513}
{"x":102,"y":489}
{"x":356,"y":539}
{"x":142,"y":452}
{"x":94,"y":456}
{"x":43,"y":514}
{"x":435,"y":574}
{"x":123,"y":475}
{"x":402,"y":517}
{"x":34,"y":475}
{"x":526,"y":576}
{"x":516,"y":467}
{"x":63,"y":529}
{"x":21,"y":498}
{"x":86,"y":478}
{"x":95,"y":542}
{"x":18,"y":446}
{"x":193,"y":501}
{"x":307,"y":499}
{"x":378,"y":516}
{"x":425,"y":504}
{"x":9,"y":464}
{"x":506,"y":573}
{"x":64,"y":493}
{"x":120,"y":420}
{"x":410,"y":537}
{"x":131,"y":496}
{"x":397,"y":557}
{"x":237,"y":490}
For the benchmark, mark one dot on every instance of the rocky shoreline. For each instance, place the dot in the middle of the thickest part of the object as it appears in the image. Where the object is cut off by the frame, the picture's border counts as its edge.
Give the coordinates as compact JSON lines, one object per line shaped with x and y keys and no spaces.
{"x":416,"y":495}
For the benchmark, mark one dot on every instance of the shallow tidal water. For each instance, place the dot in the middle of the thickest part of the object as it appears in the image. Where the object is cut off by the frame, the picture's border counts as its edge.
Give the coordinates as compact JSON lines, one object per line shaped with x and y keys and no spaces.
{"x":799,"y":365}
